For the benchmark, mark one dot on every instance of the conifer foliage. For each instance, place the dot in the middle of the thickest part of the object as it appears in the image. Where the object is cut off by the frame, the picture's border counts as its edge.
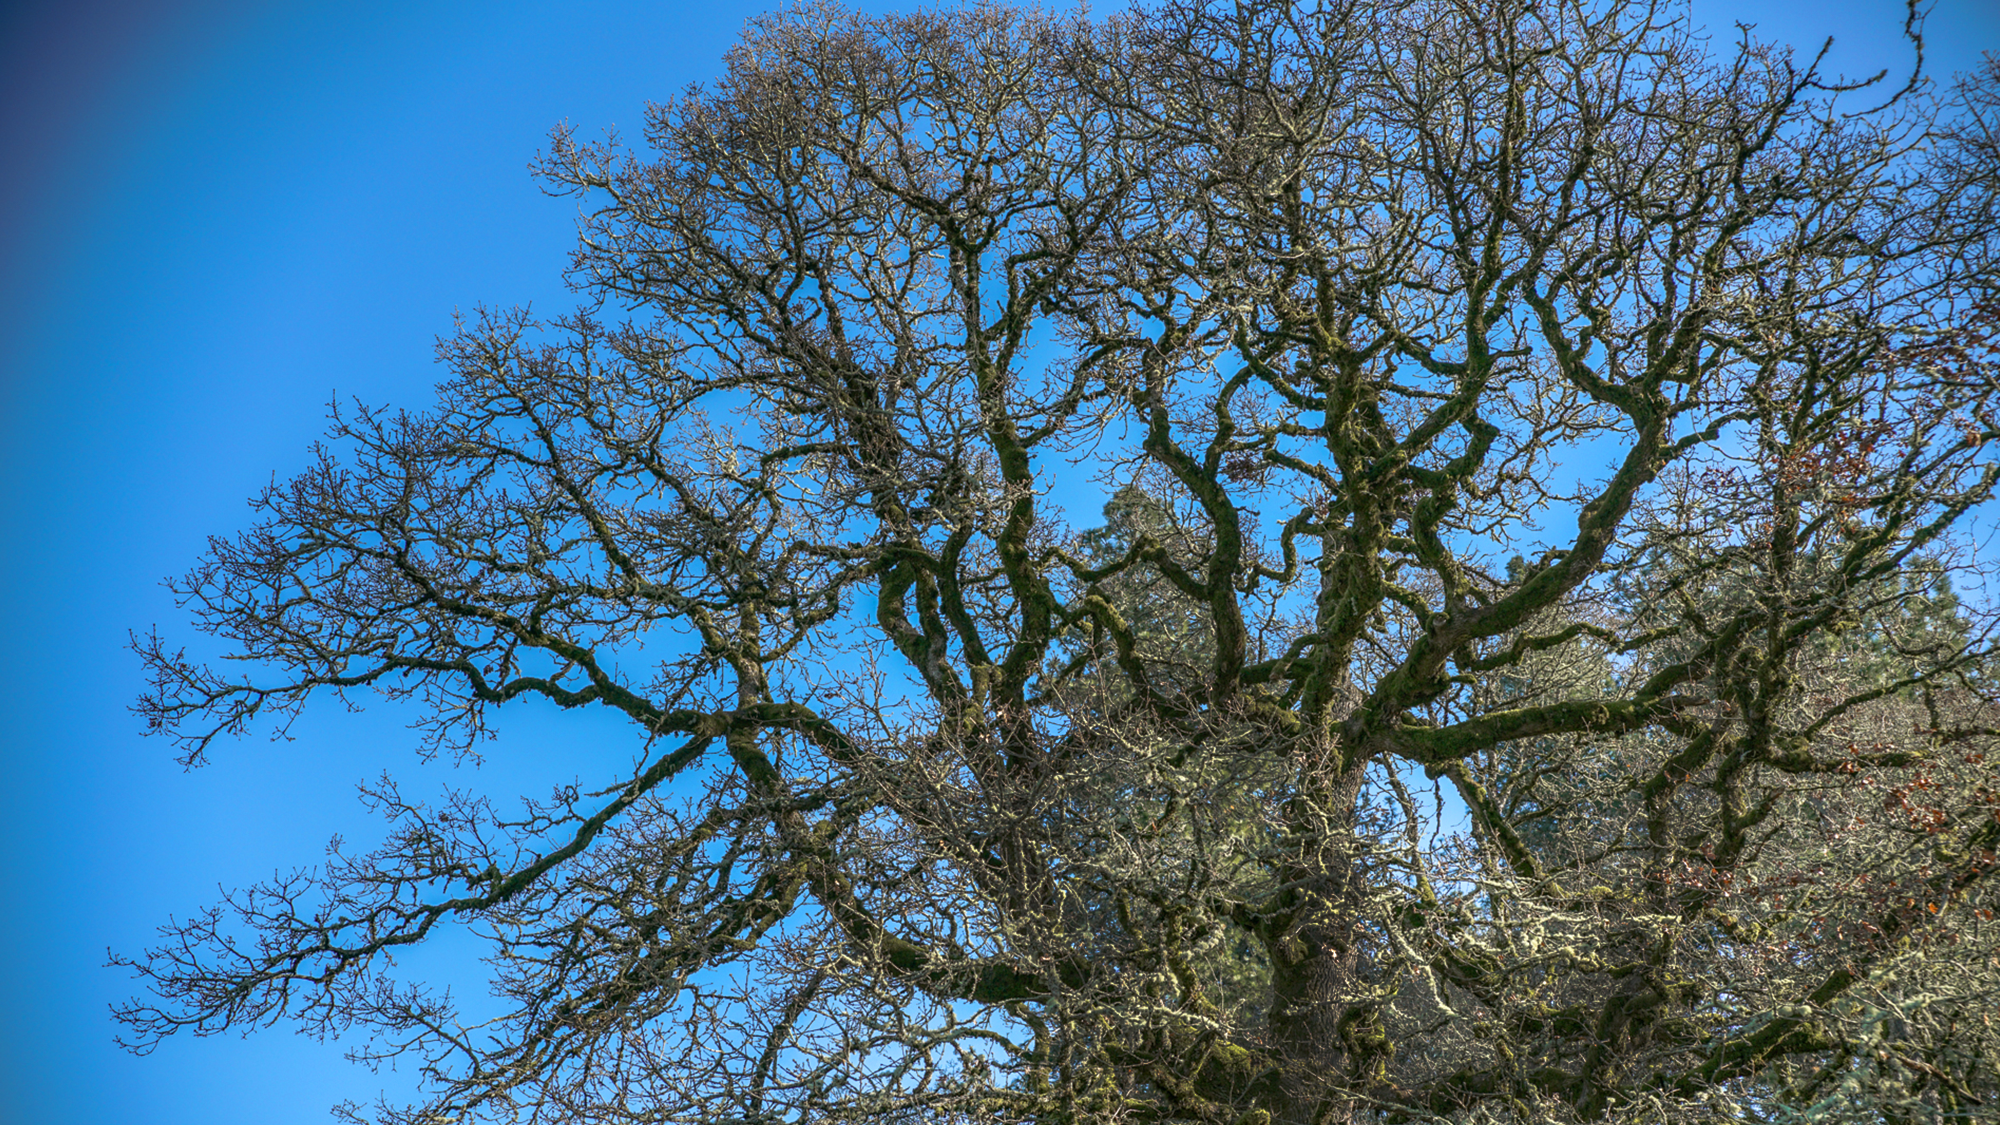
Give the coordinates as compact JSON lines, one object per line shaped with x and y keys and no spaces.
{"x":1520,"y":676}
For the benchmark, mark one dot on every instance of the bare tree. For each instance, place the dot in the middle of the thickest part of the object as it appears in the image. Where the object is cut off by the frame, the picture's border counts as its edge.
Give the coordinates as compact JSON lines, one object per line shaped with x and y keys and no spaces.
{"x":1519,"y":678}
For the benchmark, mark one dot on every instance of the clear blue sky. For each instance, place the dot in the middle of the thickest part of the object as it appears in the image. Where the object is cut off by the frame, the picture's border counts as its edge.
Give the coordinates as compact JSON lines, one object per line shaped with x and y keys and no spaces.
{"x":214,"y":217}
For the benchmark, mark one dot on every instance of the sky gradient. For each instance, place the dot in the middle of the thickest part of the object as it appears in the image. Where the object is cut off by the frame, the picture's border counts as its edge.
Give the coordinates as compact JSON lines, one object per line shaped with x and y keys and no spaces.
{"x":218,"y":216}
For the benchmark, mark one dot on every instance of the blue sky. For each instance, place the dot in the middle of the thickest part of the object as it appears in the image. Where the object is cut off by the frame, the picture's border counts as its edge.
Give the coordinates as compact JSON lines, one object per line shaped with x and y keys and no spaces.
{"x":218,"y":216}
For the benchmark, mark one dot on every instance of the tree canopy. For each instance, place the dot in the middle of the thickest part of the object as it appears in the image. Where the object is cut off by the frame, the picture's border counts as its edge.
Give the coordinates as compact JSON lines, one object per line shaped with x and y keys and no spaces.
{"x":1529,"y":668}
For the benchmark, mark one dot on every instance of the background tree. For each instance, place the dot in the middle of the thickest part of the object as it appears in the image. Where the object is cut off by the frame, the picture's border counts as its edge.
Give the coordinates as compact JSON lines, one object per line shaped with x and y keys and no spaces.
{"x":1517,"y":399}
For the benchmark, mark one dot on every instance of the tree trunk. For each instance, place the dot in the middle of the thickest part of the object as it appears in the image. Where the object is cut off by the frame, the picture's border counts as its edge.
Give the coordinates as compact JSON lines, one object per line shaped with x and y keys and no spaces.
{"x":1324,"y":1025}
